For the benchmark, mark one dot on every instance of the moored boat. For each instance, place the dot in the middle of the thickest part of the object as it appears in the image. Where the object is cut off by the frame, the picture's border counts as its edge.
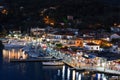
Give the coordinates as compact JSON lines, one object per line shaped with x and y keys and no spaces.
{"x":53,"y":63}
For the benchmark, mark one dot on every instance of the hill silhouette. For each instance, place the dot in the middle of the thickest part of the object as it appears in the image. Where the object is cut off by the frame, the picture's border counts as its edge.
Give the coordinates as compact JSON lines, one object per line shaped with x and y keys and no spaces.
{"x":89,"y":11}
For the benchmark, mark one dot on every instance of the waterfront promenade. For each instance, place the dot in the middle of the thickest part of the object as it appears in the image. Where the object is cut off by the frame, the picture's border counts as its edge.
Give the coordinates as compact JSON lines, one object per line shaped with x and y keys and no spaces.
{"x":78,"y":62}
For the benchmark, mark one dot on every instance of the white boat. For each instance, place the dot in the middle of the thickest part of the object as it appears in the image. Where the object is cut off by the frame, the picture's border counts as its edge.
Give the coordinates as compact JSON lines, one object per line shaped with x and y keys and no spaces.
{"x":14,"y":44}
{"x":11,"y":46}
{"x":53,"y":63}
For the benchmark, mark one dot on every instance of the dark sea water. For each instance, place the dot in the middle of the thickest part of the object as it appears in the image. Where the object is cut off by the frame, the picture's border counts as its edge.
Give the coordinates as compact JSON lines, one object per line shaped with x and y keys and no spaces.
{"x":26,"y":70}
{"x":36,"y":71}
{"x":29,"y":71}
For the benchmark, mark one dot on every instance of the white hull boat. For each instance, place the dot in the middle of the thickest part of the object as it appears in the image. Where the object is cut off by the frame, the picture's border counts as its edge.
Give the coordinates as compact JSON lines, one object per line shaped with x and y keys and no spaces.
{"x":53,"y":63}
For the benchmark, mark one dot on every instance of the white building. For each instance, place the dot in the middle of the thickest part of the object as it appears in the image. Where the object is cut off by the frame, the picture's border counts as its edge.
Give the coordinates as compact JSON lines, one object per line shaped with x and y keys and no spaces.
{"x":115,"y":36}
{"x":61,"y":37}
{"x":37,"y":31}
{"x":92,"y":47}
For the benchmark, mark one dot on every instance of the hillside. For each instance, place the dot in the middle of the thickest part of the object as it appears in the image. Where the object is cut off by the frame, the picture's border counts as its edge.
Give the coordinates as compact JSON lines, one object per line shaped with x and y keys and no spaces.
{"x":89,"y":11}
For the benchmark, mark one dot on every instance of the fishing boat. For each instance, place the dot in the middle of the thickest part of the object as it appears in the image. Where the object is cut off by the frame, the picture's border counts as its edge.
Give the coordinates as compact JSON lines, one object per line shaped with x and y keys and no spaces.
{"x":53,"y":63}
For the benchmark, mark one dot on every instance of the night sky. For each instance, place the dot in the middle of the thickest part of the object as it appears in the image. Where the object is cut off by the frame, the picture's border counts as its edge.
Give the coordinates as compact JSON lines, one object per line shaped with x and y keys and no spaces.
{"x":112,"y":2}
{"x":32,"y":9}
{"x":49,"y":2}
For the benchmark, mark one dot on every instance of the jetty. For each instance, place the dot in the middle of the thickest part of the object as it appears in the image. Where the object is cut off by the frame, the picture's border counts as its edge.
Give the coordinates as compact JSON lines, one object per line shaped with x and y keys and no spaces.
{"x":75,"y":64}
{"x":34,"y":60}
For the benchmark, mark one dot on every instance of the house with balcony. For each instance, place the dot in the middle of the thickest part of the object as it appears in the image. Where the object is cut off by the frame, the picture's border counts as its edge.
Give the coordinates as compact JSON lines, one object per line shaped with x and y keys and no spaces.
{"x":91,"y":47}
{"x":60,"y":35}
{"x":37,"y":31}
{"x":67,"y":38}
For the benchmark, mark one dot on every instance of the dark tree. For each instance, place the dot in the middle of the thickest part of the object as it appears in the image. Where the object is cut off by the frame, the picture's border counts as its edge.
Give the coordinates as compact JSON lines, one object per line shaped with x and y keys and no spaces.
{"x":1,"y":51}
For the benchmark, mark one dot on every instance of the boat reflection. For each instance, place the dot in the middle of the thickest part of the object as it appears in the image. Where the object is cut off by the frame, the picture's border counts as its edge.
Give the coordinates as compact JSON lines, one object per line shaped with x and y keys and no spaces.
{"x":13,"y":54}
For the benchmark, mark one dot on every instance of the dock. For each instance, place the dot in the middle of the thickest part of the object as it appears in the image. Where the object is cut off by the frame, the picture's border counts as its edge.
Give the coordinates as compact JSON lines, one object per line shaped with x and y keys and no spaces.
{"x":95,"y":69}
{"x":34,"y":60}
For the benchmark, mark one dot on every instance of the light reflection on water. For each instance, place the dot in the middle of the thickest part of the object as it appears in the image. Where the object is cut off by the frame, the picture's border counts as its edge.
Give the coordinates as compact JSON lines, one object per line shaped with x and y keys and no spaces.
{"x":73,"y":76}
{"x":13,"y":54}
{"x":34,"y":70}
{"x":26,"y":70}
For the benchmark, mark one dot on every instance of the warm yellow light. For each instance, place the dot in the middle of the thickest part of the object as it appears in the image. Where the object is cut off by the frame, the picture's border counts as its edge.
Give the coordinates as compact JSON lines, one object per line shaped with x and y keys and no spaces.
{"x":52,"y":23}
{"x":4,"y":11}
{"x":47,"y":16}
{"x":48,"y":20}
{"x":115,"y":24}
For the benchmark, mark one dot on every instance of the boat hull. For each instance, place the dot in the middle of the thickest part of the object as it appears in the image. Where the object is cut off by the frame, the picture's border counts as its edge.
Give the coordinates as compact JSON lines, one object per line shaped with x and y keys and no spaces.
{"x":52,"y":63}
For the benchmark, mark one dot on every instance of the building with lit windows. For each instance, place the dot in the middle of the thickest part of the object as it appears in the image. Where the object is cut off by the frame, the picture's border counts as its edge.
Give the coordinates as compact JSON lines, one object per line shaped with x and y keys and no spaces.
{"x":92,"y":47}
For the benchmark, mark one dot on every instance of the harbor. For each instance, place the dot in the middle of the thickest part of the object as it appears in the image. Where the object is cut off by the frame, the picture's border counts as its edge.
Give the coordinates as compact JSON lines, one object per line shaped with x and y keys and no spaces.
{"x":59,"y":39}
{"x":69,"y":61}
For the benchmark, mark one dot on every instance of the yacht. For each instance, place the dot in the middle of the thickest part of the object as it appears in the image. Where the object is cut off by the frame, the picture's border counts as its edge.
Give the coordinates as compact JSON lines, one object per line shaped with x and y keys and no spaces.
{"x":53,"y":63}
